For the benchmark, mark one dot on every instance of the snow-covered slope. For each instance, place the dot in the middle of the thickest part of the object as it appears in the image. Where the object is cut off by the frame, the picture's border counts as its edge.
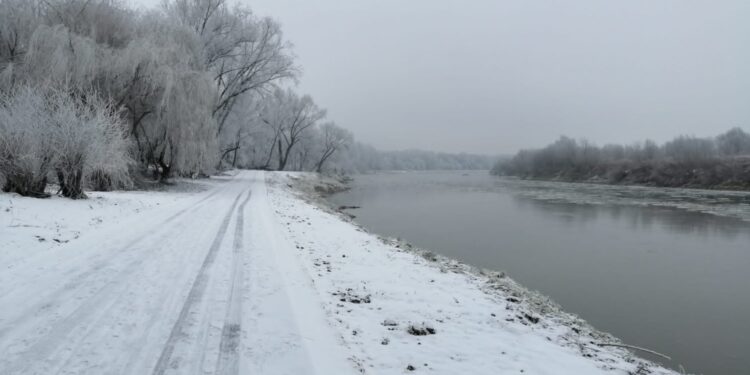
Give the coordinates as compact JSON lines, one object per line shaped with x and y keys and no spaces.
{"x":245,"y":277}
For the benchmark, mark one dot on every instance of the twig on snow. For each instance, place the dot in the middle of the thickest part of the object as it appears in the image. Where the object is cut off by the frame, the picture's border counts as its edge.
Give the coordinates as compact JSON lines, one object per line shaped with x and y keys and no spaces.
{"x":636,"y":348}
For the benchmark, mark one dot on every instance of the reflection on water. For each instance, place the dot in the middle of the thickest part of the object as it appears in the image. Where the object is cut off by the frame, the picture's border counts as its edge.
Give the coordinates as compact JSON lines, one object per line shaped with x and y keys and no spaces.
{"x":660,"y":268}
{"x":645,"y":218}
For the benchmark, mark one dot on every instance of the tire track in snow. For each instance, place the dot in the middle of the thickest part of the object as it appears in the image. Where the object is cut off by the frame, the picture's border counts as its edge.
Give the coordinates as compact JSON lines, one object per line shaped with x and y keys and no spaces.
{"x":228,"y":362}
{"x":92,"y":307}
{"x":194,"y":296}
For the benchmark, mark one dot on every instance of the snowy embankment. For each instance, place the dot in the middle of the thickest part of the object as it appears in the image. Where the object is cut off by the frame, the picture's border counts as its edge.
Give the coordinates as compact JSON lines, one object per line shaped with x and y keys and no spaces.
{"x":245,"y":274}
{"x":399,"y":309}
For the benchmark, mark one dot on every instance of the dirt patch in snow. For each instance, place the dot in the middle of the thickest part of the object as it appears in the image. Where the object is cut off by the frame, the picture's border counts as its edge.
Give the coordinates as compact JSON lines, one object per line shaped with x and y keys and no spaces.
{"x":317,"y":185}
{"x":421,"y":329}
{"x":351,"y":296}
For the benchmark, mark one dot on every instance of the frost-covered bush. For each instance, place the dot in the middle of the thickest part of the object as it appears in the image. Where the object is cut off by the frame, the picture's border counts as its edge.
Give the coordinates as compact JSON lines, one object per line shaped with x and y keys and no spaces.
{"x":80,"y":139}
{"x":89,"y":142}
{"x":26,"y":153}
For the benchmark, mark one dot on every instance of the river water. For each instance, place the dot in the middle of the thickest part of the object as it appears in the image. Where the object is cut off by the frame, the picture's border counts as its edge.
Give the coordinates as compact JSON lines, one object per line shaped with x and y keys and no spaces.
{"x":665,"y":269}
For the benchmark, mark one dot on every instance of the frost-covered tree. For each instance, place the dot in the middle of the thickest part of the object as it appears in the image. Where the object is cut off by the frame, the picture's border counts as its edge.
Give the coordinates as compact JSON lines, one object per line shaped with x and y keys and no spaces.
{"x":18,"y":20}
{"x":690,"y":149}
{"x":108,"y":22}
{"x":734,"y":142}
{"x":160,"y":80}
{"x":290,"y":116}
{"x":244,"y":135}
{"x":332,"y":139}
{"x":245,"y":54}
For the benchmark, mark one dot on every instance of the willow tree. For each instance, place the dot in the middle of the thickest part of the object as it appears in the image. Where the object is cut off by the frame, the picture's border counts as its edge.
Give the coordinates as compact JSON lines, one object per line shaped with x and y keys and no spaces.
{"x":161,"y":80}
{"x":60,"y":58}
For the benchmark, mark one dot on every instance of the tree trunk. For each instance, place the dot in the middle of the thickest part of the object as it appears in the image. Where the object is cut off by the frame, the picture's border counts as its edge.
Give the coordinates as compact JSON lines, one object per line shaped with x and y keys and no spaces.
{"x":101,"y":181}
{"x":166,"y":170}
{"x":26,"y":185}
{"x":326,"y":155}
{"x":267,"y":164}
{"x":71,"y":184}
{"x":224,"y":155}
{"x":282,"y":157}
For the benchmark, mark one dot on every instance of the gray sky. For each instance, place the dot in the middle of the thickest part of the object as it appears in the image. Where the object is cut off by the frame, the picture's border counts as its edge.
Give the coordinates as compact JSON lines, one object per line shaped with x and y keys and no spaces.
{"x":494,"y":76}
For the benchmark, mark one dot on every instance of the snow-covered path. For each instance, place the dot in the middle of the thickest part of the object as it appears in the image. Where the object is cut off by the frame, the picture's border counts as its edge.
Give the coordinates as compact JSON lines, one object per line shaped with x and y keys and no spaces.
{"x":204,"y":285}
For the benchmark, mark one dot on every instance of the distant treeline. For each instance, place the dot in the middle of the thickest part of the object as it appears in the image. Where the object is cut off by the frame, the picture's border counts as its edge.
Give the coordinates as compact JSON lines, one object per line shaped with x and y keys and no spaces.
{"x":722,"y":162}
{"x":360,"y":157}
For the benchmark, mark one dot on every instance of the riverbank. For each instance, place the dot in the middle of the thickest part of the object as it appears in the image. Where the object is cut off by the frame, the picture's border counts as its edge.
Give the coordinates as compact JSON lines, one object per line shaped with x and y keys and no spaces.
{"x":728,"y":186}
{"x":731,"y":174}
{"x":483,"y":321}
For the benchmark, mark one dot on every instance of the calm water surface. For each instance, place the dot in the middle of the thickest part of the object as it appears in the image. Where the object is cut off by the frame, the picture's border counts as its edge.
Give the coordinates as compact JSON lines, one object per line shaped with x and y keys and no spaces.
{"x":666,"y":269}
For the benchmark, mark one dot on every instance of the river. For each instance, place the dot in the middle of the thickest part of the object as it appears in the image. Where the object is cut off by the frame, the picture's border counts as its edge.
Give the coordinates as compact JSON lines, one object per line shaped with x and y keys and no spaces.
{"x":665,"y":269}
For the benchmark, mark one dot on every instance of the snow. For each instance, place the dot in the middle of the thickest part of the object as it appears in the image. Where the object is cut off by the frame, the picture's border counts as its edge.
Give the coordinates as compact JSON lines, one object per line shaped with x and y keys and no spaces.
{"x":239,"y":275}
{"x":30,"y":225}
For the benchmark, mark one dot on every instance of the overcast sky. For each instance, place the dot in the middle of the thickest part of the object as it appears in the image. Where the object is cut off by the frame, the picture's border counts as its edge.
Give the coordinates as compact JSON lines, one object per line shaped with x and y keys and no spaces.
{"x":494,"y":76}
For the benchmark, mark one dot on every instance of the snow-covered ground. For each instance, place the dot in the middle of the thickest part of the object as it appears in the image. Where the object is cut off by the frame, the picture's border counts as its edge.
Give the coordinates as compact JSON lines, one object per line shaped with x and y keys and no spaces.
{"x":29,"y":225}
{"x":245,"y":274}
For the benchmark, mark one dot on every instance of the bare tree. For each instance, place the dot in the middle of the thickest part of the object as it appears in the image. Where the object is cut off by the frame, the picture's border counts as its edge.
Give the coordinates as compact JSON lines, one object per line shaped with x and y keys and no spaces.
{"x":333,"y":138}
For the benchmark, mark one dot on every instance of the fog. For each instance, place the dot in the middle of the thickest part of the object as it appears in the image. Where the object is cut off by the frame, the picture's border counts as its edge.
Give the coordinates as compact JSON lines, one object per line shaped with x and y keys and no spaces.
{"x":497,"y":76}
{"x":183,"y":156}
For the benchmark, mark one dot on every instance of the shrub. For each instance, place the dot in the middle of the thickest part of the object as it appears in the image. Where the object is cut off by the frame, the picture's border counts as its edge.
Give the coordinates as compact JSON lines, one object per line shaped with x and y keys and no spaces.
{"x":26,"y":153}
{"x":81,"y":139}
